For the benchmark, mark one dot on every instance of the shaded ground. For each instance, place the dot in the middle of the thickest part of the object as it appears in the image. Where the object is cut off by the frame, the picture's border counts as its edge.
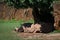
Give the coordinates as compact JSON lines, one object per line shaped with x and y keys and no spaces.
{"x":26,"y":36}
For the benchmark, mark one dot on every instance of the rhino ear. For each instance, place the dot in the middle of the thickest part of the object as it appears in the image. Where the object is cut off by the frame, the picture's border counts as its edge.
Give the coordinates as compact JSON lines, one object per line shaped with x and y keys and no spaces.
{"x":23,"y":27}
{"x":32,"y":25}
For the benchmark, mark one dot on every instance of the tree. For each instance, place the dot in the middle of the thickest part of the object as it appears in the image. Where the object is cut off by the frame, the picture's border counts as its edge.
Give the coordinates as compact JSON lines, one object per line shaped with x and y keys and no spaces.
{"x":42,"y":11}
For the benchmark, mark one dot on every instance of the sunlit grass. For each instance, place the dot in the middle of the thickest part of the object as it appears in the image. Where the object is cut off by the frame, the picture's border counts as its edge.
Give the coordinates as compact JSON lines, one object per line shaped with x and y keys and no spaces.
{"x":7,"y":28}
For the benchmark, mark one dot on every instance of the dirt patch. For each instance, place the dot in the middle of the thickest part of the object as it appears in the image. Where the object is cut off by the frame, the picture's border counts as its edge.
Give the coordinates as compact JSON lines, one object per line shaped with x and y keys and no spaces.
{"x":42,"y":36}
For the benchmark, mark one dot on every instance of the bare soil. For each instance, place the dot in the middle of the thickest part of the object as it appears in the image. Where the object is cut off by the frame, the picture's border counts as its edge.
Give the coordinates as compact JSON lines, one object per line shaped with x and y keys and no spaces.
{"x":40,"y":36}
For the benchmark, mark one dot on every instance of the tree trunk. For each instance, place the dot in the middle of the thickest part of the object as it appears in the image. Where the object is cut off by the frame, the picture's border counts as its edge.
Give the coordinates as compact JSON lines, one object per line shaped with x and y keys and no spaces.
{"x":45,"y":18}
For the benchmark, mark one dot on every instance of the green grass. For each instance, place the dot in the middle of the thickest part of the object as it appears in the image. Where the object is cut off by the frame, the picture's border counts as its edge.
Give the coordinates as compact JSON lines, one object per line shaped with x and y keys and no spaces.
{"x":56,"y":31}
{"x":7,"y":27}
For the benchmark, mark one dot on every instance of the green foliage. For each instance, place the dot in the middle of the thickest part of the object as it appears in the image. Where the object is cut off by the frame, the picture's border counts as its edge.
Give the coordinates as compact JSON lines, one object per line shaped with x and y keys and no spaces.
{"x":1,"y":0}
{"x":28,"y":3}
